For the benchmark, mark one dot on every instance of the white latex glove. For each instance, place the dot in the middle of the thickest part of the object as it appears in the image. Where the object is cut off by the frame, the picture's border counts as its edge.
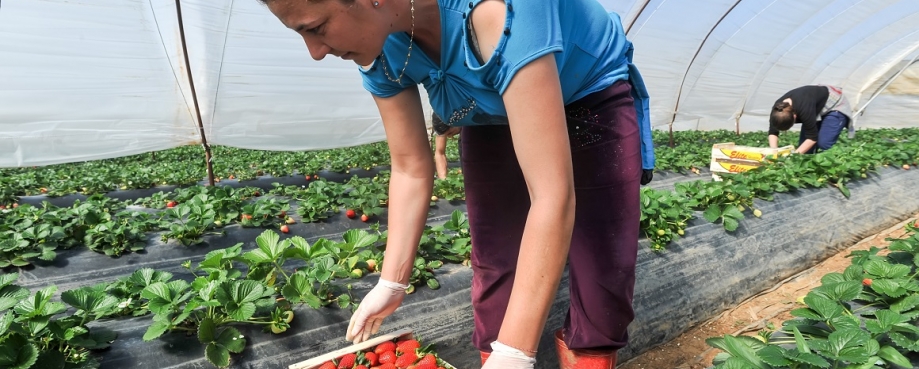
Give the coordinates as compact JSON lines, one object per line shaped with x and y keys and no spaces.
{"x":506,"y":357}
{"x":379,"y":303}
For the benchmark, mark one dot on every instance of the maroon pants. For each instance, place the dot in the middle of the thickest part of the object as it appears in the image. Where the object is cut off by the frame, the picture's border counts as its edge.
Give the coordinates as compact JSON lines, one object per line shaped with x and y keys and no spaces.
{"x":605,"y":150}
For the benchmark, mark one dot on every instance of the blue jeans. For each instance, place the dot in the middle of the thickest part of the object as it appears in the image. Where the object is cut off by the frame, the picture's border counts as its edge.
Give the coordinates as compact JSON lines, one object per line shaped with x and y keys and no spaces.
{"x":829,"y":128}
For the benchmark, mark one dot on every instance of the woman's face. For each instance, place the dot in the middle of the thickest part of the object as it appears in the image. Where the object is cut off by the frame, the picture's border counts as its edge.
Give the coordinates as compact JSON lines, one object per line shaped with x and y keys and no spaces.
{"x":353,"y":31}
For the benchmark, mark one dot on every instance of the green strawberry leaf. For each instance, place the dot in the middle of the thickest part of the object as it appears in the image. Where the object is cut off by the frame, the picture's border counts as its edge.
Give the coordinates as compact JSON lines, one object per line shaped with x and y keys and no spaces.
{"x":773,"y":355}
{"x":11,"y":296}
{"x":155,"y":330}
{"x":712,"y":213}
{"x":905,"y":304}
{"x":358,"y":239}
{"x":745,"y":348}
{"x":232,"y":340}
{"x":891,"y":355}
{"x":18,"y":355}
{"x":207,"y":331}
{"x":827,"y":308}
{"x":850,"y":338}
{"x":91,"y":301}
{"x":7,"y":279}
{"x":217,"y":355}
{"x":730,"y":224}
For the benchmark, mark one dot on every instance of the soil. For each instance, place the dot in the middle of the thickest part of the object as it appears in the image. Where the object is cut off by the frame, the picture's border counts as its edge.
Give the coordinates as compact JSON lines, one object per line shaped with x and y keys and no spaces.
{"x":689,"y":350}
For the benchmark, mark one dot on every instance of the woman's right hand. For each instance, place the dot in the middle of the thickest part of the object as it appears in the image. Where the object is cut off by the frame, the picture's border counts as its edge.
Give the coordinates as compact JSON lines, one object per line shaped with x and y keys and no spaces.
{"x":378,"y":304}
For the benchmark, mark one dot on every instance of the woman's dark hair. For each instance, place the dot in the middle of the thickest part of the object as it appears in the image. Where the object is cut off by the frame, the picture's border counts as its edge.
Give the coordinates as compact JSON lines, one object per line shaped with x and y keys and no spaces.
{"x":782,"y":116}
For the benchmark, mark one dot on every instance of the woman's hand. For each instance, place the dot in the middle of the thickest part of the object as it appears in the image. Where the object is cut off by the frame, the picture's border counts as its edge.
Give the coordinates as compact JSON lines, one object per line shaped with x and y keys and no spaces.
{"x":378,"y":304}
{"x":506,"y":357}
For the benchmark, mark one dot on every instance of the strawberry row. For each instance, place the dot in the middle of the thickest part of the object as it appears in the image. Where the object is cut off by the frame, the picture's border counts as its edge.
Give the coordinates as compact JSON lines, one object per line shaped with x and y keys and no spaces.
{"x":865,"y":317}
{"x":228,"y":288}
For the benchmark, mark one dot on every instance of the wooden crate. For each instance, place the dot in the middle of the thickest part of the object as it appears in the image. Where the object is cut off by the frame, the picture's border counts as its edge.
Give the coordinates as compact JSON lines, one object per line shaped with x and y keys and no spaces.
{"x":315,"y":362}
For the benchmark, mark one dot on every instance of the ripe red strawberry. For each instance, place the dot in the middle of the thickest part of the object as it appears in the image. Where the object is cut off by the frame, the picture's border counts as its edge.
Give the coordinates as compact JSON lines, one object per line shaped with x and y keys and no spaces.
{"x":328,"y":365}
{"x":361,"y":367}
{"x":425,"y":366}
{"x":429,"y":359}
{"x":407,"y":346}
{"x":406,"y":359}
{"x":388,"y":365}
{"x":282,"y":215}
{"x":383,"y":347}
{"x":307,"y":177}
{"x":350,"y":214}
{"x":364,"y":218}
{"x":171,"y":204}
{"x":866,"y":282}
{"x":372,"y":358}
{"x":388,"y":357}
{"x":285,"y":229}
{"x":257,"y":194}
{"x":2,"y":207}
{"x":347,"y":361}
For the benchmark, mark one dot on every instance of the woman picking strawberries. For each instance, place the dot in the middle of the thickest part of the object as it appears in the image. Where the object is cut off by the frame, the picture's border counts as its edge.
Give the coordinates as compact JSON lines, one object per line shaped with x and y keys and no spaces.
{"x":553,"y":152}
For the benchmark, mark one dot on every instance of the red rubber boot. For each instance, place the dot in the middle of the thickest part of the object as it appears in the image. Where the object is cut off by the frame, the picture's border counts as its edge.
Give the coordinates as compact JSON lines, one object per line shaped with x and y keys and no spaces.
{"x":582,"y":359}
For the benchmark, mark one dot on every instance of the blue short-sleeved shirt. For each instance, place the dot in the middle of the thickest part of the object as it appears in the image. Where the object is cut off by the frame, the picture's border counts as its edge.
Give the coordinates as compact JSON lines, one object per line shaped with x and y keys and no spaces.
{"x":590,"y":48}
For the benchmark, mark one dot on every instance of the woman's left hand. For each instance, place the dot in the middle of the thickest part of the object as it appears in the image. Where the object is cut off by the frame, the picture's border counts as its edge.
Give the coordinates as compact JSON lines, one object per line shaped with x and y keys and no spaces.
{"x":506,"y":357}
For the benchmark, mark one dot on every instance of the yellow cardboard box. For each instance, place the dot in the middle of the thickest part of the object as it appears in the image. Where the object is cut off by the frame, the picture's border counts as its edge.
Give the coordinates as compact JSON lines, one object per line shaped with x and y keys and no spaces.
{"x":730,"y":158}
{"x":729,"y":151}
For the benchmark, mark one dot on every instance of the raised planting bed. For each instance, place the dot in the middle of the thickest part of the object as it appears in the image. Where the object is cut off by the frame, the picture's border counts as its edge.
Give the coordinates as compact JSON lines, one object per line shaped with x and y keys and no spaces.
{"x":707,"y":271}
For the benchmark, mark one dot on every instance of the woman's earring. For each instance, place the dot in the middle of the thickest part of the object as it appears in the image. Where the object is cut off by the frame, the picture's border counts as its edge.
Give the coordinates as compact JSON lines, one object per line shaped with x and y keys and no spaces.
{"x":376,"y":3}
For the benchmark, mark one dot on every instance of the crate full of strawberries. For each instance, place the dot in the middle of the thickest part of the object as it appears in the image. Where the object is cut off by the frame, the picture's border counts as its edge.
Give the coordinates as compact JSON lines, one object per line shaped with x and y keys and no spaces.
{"x":397,"y":350}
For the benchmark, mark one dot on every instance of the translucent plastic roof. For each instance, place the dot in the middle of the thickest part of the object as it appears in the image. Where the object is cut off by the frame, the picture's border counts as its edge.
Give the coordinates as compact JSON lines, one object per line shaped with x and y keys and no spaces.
{"x":107,"y":78}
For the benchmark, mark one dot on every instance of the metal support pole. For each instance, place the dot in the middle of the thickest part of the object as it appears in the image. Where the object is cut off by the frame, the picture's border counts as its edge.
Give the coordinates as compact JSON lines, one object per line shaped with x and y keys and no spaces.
{"x":194,"y":97}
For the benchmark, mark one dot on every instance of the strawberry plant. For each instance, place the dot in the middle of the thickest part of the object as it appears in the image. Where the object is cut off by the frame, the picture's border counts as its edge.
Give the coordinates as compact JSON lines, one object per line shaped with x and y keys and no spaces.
{"x":319,"y":201}
{"x":189,"y":222}
{"x":28,"y":232}
{"x":865,"y":317}
{"x":663,"y":216}
{"x":125,"y":231}
{"x":448,"y":241}
{"x":365,"y":196}
{"x":34,"y":335}
{"x":127,"y":290}
{"x":263,"y":212}
{"x":207,"y":307}
{"x":451,"y":188}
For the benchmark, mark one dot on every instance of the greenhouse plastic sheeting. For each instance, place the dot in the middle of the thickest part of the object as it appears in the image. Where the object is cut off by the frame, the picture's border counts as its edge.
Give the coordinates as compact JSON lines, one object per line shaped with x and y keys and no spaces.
{"x":107,"y":78}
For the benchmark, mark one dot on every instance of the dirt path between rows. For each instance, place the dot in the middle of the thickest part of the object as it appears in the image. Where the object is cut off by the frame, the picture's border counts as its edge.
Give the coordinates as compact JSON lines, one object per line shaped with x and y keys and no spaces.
{"x":689,"y":350}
